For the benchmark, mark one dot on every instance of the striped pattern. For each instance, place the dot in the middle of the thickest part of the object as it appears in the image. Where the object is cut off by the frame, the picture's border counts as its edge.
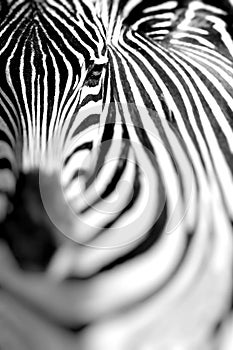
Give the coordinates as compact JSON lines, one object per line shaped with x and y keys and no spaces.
{"x":129,"y":104}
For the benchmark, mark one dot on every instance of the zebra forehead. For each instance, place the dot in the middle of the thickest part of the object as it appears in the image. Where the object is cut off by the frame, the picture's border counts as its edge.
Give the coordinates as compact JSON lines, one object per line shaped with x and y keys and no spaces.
{"x":46,"y":50}
{"x":45,"y":40}
{"x":75,"y":28}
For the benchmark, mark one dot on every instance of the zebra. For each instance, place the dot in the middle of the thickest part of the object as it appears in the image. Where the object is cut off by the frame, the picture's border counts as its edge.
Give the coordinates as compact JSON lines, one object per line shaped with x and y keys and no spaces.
{"x":94,"y":94}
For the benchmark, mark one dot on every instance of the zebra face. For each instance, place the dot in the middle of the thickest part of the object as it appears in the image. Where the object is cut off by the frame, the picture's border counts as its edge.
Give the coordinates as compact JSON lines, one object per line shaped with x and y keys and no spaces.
{"x":52,"y":54}
{"x":47,"y":50}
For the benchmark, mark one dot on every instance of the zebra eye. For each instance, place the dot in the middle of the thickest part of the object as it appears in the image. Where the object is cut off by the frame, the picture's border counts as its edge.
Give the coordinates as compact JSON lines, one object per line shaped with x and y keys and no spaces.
{"x":97,"y":70}
{"x":94,"y":74}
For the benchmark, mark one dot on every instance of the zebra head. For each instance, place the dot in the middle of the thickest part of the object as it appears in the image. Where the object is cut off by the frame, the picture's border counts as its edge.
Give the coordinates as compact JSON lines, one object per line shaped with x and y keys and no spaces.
{"x":50,"y":54}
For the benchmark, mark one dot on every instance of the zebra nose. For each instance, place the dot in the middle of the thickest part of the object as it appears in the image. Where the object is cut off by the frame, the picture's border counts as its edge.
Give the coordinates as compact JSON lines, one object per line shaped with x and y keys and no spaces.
{"x":3,"y":207}
{"x":27,"y":229}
